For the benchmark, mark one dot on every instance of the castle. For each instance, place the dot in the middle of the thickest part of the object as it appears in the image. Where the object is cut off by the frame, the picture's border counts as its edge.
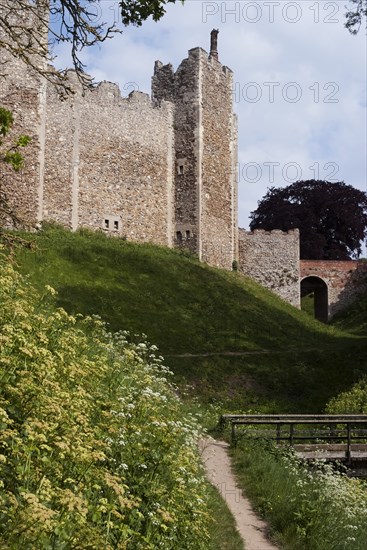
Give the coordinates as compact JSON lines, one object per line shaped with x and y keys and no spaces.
{"x":161,"y":169}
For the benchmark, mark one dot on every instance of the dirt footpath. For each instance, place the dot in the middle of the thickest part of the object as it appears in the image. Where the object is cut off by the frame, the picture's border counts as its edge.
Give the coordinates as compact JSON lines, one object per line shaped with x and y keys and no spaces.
{"x":218,"y":468}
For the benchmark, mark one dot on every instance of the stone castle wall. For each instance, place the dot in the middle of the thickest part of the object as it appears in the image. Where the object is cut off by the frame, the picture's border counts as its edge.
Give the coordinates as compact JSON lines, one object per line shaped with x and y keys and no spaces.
{"x":109,"y":163}
{"x":21,"y":93}
{"x":272,"y":259}
{"x":95,"y":159}
{"x":219,"y":184}
{"x":160,"y":170}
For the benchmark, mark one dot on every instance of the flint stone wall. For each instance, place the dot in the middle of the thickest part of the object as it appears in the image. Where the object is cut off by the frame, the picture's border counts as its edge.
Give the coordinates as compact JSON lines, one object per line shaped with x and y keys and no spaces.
{"x":22,"y":94}
{"x":272,"y":259}
{"x":205,"y":155}
{"x":109,"y":159}
{"x":219,"y":183}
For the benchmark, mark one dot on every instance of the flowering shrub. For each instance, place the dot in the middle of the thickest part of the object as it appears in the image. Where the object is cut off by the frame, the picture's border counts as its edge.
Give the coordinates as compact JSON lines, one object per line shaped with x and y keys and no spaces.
{"x":310,"y":507}
{"x":352,"y":401}
{"x":95,"y":451}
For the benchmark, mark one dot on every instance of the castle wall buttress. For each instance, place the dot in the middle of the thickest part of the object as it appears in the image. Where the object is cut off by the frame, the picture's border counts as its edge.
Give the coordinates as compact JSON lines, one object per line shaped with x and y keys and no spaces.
{"x":23,"y":92}
{"x":219,"y":182}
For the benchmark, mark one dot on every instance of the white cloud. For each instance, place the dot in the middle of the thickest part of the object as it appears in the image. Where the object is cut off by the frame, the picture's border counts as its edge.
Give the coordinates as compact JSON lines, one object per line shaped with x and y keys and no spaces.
{"x":322,"y":58}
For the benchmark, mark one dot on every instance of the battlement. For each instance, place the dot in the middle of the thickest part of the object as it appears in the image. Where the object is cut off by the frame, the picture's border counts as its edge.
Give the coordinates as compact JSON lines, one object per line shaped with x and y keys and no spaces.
{"x":106,"y":93}
{"x":243,"y":233}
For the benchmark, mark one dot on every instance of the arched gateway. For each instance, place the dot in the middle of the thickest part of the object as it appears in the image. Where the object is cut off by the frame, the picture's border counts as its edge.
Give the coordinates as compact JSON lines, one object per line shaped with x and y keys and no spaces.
{"x":316,"y":288}
{"x":334,"y":283}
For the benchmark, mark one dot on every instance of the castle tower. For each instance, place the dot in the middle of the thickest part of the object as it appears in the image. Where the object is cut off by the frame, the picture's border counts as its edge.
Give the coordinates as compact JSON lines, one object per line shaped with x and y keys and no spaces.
{"x":205,"y":153}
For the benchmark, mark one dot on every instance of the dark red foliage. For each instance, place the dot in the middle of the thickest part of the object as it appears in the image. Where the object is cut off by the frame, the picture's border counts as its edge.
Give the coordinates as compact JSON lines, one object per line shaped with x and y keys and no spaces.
{"x":331,"y":217}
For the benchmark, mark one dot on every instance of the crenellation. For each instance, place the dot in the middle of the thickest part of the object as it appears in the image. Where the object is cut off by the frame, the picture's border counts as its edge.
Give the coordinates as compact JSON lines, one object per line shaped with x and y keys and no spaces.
{"x":163,"y":82}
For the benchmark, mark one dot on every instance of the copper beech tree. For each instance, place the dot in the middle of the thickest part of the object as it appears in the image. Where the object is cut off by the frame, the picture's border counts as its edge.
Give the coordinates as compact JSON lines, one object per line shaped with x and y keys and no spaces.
{"x":331,"y":217}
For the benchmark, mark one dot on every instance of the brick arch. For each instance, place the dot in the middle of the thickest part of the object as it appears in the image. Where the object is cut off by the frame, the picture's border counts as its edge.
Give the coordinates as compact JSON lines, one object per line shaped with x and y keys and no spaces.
{"x":344,"y":279}
{"x":319,"y":287}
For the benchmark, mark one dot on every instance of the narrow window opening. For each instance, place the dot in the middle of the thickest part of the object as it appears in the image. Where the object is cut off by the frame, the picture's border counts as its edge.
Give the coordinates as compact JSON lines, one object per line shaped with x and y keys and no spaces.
{"x":116,"y":225}
{"x":107,"y":224}
{"x":181,"y":169}
{"x":179,"y":236}
{"x":187,"y":234}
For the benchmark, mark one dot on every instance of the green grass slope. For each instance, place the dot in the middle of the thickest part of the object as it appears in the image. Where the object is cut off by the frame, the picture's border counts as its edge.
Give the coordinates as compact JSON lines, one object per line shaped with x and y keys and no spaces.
{"x":222,"y":334}
{"x":354,"y":317}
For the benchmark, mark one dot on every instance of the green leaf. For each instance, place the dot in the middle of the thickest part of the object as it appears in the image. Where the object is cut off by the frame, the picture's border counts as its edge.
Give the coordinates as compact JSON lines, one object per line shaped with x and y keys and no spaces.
{"x":6,"y":121}
{"x":23,"y":141}
{"x":15,"y":159}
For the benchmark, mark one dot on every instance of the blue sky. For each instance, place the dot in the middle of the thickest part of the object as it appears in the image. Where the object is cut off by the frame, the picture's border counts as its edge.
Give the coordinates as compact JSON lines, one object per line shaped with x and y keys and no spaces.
{"x":300,"y":83}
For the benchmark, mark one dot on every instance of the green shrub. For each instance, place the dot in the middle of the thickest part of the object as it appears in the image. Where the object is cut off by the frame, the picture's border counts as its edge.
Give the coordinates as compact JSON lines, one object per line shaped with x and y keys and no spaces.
{"x":352,"y":401}
{"x":95,"y":451}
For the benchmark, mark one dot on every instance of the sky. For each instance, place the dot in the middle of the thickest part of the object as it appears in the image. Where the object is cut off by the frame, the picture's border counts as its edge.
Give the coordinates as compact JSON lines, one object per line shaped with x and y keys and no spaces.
{"x":299,"y":83}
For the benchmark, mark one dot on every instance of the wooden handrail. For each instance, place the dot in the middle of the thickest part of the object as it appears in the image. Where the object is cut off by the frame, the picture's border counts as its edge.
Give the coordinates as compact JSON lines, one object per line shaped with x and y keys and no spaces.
{"x":278,"y":420}
{"x":295,"y":417}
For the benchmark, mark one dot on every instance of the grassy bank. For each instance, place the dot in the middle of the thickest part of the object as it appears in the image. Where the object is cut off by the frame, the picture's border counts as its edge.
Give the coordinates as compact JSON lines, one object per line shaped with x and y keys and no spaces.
{"x":353,"y":318}
{"x":186,"y":307}
{"x":96,"y":450}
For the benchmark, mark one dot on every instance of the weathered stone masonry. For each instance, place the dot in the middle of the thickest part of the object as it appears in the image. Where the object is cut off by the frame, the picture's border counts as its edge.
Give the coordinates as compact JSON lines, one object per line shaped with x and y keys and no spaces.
{"x":109,"y":164}
{"x":272,"y":259}
{"x":206,"y":155}
{"x":160,"y":170}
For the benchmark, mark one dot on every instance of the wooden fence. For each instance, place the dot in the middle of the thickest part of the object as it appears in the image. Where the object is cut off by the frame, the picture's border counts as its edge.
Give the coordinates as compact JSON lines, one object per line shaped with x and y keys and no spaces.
{"x":306,"y":428}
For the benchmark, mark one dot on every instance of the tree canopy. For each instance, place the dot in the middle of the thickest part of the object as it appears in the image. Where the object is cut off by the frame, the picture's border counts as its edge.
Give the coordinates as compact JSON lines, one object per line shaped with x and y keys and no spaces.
{"x":331,"y":217}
